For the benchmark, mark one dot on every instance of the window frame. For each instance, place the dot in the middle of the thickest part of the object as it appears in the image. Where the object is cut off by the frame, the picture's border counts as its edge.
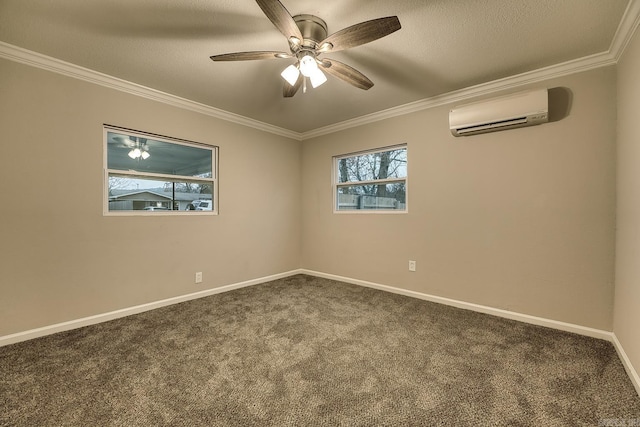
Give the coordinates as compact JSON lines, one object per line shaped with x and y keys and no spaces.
{"x":336,"y":184}
{"x":106,"y":128}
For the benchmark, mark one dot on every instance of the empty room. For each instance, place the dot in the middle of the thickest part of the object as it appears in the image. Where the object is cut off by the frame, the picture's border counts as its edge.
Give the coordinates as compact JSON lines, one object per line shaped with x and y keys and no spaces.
{"x":349,"y":213}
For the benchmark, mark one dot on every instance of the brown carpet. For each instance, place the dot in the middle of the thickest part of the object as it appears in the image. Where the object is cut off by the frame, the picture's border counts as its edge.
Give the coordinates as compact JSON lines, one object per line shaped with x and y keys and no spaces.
{"x":309,"y":351}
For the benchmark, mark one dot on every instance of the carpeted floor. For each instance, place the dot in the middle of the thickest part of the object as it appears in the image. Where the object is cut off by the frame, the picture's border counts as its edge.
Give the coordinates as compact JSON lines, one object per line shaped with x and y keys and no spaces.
{"x":308,"y":351}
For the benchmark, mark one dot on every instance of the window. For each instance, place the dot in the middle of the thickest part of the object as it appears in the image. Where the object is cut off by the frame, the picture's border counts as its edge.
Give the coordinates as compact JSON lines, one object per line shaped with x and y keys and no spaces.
{"x":148,"y":174}
{"x":371,"y":181}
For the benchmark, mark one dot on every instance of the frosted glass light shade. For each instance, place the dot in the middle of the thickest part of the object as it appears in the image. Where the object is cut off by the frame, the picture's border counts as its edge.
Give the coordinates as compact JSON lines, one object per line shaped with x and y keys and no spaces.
{"x":317,"y":78}
{"x":308,"y":65}
{"x":291,"y":74}
{"x":136,"y":153}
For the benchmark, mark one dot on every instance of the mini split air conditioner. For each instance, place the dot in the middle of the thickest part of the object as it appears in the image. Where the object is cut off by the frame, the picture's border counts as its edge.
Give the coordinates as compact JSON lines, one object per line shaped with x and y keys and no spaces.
{"x":506,"y":112}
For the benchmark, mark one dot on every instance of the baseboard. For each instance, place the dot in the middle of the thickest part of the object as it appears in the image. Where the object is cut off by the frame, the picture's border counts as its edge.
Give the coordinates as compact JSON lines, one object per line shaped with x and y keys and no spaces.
{"x":631,"y":371}
{"x":540,"y":321}
{"x":104,"y":317}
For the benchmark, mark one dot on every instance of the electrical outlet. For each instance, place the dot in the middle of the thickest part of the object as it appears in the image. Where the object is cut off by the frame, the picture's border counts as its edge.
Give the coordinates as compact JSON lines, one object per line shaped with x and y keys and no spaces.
{"x":412,"y":265}
{"x":199,"y":277}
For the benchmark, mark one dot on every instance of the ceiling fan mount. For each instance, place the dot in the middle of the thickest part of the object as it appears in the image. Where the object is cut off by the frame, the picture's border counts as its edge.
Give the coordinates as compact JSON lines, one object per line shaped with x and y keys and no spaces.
{"x":307,"y":38}
{"x":312,"y":28}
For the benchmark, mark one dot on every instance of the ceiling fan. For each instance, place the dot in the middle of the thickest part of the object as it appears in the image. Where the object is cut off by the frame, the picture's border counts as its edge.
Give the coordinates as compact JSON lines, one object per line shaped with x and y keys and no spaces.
{"x":307,"y":37}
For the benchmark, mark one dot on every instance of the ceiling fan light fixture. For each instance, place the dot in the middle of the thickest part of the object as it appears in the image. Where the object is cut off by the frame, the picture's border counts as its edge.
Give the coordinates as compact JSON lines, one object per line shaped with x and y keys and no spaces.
{"x":291,"y":74}
{"x":145,"y":155}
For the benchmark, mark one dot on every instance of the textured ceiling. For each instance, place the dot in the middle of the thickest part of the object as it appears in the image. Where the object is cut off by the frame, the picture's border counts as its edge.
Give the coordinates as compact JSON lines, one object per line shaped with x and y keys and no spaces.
{"x":443,"y":46}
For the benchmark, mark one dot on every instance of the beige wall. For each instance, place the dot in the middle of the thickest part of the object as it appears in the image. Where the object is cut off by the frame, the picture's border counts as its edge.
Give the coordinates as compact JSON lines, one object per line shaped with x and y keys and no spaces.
{"x":63,"y":260}
{"x":521,"y":220}
{"x":626,"y":324}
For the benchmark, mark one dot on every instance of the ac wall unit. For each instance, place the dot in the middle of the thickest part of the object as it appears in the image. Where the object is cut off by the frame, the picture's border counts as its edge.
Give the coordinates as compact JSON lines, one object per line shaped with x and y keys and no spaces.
{"x":517,"y":110}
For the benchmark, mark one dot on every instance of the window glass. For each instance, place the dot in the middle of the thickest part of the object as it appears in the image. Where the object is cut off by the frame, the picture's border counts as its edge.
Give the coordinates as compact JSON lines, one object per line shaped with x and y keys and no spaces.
{"x":147,"y":174}
{"x":373,"y":180}
{"x":373,"y":166}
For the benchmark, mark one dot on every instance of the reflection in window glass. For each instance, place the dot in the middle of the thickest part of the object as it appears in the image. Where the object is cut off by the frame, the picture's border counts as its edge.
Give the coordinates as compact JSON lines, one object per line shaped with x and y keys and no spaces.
{"x":373,"y":166}
{"x":372,"y":180}
{"x":147,"y":173}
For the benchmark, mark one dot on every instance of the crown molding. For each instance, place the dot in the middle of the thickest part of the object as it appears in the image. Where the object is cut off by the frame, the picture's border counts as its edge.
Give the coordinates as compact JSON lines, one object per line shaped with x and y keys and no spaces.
{"x":558,"y":70}
{"x":38,"y":60}
{"x":628,"y":24}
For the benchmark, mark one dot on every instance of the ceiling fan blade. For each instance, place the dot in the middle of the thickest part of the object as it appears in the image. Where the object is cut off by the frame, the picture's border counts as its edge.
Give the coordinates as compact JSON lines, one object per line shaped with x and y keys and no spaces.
{"x":288,"y":91}
{"x":247,"y":56}
{"x":346,"y":73}
{"x":124,"y":141}
{"x":359,"y":34}
{"x":281,"y":18}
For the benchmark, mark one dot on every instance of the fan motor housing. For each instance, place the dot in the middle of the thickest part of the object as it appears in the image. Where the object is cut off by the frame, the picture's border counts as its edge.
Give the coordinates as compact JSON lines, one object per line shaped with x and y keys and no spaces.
{"x":313,"y":29}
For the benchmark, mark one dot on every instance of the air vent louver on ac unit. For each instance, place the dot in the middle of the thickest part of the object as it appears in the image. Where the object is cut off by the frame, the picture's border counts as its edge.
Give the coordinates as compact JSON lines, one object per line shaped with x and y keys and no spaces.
{"x":506,"y":112}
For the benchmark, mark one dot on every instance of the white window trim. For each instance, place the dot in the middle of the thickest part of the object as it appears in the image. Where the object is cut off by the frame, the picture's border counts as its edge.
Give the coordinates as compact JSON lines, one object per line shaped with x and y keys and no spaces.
{"x":336,"y":184}
{"x":106,"y":172}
